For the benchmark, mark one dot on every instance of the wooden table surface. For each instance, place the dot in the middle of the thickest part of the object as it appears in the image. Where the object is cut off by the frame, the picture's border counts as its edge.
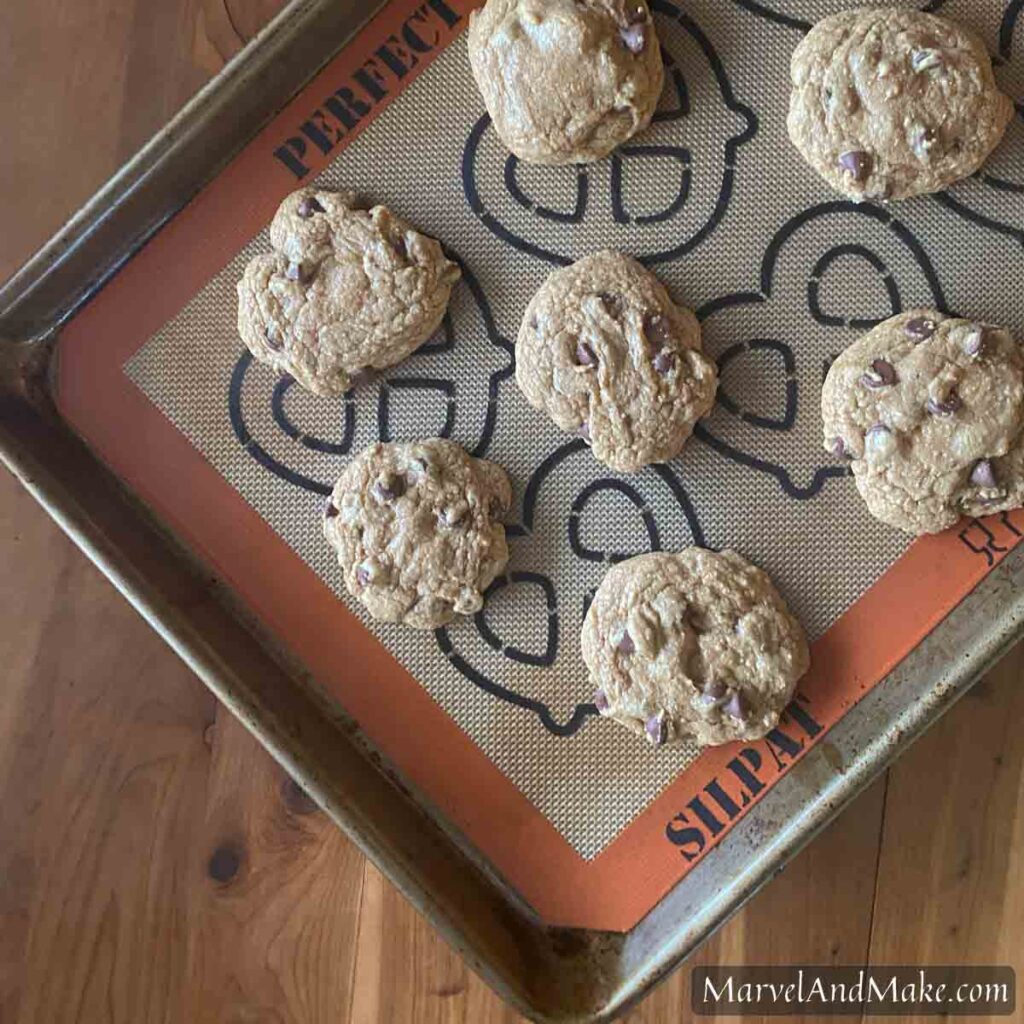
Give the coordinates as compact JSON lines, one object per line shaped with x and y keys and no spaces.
{"x":121,"y":778}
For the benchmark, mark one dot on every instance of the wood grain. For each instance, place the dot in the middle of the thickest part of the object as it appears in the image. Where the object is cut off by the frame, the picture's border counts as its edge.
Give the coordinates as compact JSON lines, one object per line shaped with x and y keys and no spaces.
{"x":156,"y":865}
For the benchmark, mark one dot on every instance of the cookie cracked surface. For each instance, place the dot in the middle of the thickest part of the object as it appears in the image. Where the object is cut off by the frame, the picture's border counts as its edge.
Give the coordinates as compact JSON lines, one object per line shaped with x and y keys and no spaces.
{"x":346,"y":290}
{"x":609,"y":356}
{"x":929,"y":409}
{"x":889,"y":103}
{"x":566,"y":81}
{"x":417,"y":530}
{"x":692,"y":645}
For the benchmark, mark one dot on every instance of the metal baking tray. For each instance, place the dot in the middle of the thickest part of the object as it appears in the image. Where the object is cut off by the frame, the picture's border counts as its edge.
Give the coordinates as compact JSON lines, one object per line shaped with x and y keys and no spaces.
{"x":549,"y":973}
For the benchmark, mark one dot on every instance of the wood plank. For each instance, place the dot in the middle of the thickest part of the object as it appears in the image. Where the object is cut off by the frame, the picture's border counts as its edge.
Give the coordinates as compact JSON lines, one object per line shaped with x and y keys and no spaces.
{"x":102,"y":789}
{"x":953,"y":844}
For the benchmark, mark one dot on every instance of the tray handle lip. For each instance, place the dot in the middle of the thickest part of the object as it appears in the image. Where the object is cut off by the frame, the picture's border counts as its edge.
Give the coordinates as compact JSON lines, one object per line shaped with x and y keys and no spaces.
{"x":149,"y":189}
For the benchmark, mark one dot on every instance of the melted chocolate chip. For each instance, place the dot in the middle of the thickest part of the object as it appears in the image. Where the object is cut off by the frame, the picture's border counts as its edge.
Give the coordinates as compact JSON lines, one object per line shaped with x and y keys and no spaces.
{"x":452,"y":518}
{"x":390,"y":487}
{"x":880,"y":440}
{"x":715,"y":688}
{"x":399,"y":245}
{"x":657,"y":729}
{"x":636,"y":14}
{"x":585,"y":355}
{"x":925,"y":59}
{"x":308,"y":206}
{"x":634,"y":37}
{"x":298,"y":272}
{"x":626,"y":645}
{"x":974,"y":342}
{"x":601,"y":701}
{"x":658,"y":331}
{"x":839,"y":449}
{"x":273,"y":336}
{"x":330,"y":509}
{"x":738,"y":707}
{"x":858,"y":164}
{"x":362,"y":576}
{"x":881,"y":375}
{"x":611,"y":303}
{"x":665,"y":362}
{"x":984,"y":474}
{"x":921,"y":328}
{"x":948,"y":406}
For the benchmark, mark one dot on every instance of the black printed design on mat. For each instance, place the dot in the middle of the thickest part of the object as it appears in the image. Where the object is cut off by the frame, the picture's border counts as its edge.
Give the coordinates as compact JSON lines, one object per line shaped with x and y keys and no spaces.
{"x":423,"y":397}
{"x":682,"y":174}
{"x":787,"y":13}
{"x":531,"y":623}
{"x":988,"y":538}
{"x":752,"y":339}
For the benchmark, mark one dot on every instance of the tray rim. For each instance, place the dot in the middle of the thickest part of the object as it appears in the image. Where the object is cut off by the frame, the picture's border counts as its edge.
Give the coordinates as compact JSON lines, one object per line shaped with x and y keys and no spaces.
{"x":548,"y":974}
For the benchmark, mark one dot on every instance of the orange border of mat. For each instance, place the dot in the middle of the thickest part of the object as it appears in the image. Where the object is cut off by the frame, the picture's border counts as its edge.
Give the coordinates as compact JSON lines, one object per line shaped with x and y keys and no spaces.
{"x":391,"y":707}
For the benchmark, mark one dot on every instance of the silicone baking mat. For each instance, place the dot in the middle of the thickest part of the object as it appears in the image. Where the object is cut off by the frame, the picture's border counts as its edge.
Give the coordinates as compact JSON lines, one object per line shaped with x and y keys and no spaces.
{"x":490,"y":719}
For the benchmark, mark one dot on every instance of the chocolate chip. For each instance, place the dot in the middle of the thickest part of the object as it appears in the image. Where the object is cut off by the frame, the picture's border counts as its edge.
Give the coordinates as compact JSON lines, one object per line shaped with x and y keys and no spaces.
{"x":665,"y":362}
{"x":657,"y":729}
{"x":974,"y":342}
{"x":634,"y":37}
{"x":839,"y":449}
{"x":298,"y":272}
{"x":713,"y":694}
{"x":362,"y":576}
{"x":880,"y":440}
{"x":921,"y":328}
{"x":601,"y":701}
{"x":534,"y":323}
{"x":612,"y":304}
{"x":716,"y":688}
{"x":585,"y":355}
{"x":857,"y":163}
{"x":925,"y":59}
{"x":273,"y":336}
{"x":881,"y":375}
{"x":451,"y":518}
{"x":738,"y":707}
{"x":636,"y":14}
{"x":626,"y":645}
{"x":330,"y":509}
{"x":584,"y":432}
{"x":948,"y":406}
{"x":984,"y":474}
{"x":390,"y":487}
{"x":400,"y":247}
{"x":658,"y":331}
{"x":309,"y":206}
{"x":923,"y":140}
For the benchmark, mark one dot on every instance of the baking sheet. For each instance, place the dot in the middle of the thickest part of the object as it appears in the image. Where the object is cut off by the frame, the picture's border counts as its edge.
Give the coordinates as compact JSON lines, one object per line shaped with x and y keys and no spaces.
{"x":783,"y":276}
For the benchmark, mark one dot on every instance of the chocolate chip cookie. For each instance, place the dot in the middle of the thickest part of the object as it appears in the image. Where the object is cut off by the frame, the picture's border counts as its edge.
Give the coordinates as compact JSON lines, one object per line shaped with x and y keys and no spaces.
{"x":610,"y":357}
{"x":889,"y":103}
{"x":566,"y":81}
{"x":929,"y":409}
{"x":695,"y":645}
{"x":346,"y":290}
{"x":417,"y":530}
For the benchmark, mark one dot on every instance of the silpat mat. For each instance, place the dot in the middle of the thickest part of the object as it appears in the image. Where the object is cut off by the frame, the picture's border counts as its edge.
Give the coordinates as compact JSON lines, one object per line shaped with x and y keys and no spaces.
{"x":490,"y":719}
